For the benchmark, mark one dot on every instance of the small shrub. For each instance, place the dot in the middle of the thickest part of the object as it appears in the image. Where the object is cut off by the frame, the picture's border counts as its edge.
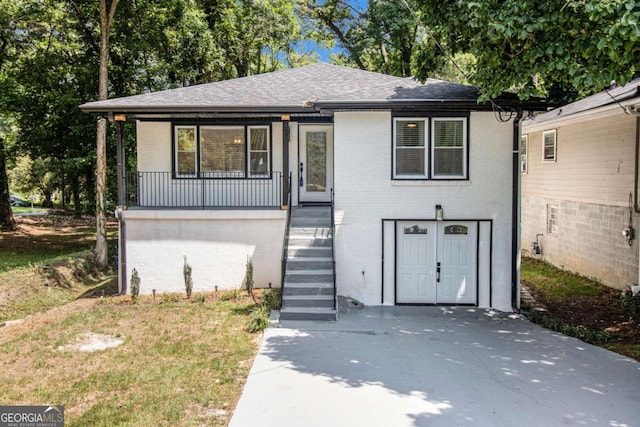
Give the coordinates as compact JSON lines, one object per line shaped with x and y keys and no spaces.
{"x":632,"y":304}
{"x":271,"y":299}
{"x":135,"y":285}
{"x":259,"y":319}
{"x":231,"y":295}
{"x":188,"y":280}
{"x":199,"y":299}
{"x":581,"y":332}
{"x":170,"y":298}
{"x":249,"y":278}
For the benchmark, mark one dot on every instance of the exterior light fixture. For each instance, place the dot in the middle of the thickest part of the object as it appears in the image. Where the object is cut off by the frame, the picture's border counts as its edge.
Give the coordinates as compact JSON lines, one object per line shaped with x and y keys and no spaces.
{"x":120,"y":117}
{"x":439,"y":213}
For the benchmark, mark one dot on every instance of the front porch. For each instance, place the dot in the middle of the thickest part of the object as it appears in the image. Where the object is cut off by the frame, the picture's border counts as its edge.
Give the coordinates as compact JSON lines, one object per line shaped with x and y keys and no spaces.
{"x":166,"y":190}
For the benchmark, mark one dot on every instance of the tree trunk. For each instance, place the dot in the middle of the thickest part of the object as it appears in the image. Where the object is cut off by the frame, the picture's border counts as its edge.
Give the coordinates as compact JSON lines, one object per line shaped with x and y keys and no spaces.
{"x":7,"y":223}
{"x":106,"y":17}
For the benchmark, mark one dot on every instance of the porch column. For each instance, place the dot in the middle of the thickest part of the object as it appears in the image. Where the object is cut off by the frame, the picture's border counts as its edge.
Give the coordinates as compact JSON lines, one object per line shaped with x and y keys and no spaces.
{"x":286,"y":136}
{"x":122,"y":201}
{"x":121,"y":174}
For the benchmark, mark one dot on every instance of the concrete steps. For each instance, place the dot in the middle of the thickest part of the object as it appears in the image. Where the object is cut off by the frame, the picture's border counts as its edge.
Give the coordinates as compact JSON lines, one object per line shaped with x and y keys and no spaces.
{"x":308,"y":292}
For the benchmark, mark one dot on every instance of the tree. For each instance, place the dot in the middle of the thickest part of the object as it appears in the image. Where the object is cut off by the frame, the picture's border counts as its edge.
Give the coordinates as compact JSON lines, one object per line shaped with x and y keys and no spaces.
{"x":536,"y":47}
{"x":107,"y":13}
{"x":6,"y":215}
{"x":245,"y":30}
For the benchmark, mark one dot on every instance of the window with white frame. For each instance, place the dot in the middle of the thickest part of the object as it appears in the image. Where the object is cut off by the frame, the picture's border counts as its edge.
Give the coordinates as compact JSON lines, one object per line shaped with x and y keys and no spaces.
{"x":549,"y":146}
{"x":410,"y":148}
{"x":186,"y":150}
{"x":449,"y":148}
{"x":553,"y":219}
{"x":229,"y":151}
{"x":258,"y":150}
{"x":524,"y":145}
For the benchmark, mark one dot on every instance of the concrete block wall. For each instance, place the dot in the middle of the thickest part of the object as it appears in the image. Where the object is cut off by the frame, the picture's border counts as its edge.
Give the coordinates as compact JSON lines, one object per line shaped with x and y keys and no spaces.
{"x":589,"y":239}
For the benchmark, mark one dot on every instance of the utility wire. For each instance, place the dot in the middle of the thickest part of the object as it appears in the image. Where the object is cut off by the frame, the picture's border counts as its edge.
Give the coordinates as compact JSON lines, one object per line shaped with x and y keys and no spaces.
{"x":500,"y":114}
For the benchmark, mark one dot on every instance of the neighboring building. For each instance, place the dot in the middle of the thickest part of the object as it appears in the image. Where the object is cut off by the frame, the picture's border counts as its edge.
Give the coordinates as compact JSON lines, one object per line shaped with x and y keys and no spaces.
{"x":212,"y":181}
{"x":580,"y":185}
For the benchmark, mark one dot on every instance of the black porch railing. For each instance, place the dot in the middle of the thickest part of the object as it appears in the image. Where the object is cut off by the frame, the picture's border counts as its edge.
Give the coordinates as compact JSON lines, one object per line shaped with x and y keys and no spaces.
{"x":229,"y":190}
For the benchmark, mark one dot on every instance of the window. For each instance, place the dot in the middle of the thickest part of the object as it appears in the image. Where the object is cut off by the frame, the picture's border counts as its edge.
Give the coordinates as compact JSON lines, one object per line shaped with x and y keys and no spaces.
{"x":549,"y":146}
{"x":439,"y":154}
{"x":222,"y":151}
{"x":410,"y":149}
{"x":186,"y":150}
{"x":553,"y":219}
{"x":524,"y":143}
{"x":449,"y":151}
{"x":258,"y":150}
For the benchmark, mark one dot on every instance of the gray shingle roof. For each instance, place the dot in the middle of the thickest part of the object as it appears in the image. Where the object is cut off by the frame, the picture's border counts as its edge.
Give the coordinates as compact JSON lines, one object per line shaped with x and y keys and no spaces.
{"x":291,"y":89}
{"x":601,"y":99}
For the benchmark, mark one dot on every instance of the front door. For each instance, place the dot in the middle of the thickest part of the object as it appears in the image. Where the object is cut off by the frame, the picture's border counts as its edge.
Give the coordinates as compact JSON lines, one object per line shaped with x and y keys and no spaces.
{"x":316,"y":163}
{"x":436,"y":262}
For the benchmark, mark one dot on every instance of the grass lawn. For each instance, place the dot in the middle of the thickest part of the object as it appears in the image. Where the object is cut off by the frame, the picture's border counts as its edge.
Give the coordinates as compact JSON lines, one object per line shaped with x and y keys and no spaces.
{"x":24,"y":209}
{"x":584,"y":308}
{"x":34,"y":243}
{"x":181,"y":363}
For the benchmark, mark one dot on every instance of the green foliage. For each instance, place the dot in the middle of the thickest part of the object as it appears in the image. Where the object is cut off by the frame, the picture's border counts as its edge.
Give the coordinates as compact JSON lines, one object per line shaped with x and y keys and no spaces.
{"x":249,"y":275}
{"x":231,"y":295}
{"x":271,"y":299}
{"x":561,"y":49}
{"x":135,"y":285}
{"x":583,"y":333}
{"x":258,"y":319}
{"x":557,"y":283}
{"x":188,"y":280}
{"x":632,"y":304}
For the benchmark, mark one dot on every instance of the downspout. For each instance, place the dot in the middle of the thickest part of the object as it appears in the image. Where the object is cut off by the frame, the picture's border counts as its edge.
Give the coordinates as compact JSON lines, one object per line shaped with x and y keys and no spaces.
{"x":515,"y":215}
{"x":636,"y":182}
{"x":121,"y":181}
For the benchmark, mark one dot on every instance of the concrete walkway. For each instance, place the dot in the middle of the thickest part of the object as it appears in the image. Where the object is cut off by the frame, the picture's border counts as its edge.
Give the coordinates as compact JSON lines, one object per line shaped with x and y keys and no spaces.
{"x":435,"y":366}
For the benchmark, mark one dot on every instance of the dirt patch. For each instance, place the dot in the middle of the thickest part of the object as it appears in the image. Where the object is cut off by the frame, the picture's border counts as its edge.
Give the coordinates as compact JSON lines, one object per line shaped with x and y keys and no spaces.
{"x":89,"y":342}
{"x":604,"y":311}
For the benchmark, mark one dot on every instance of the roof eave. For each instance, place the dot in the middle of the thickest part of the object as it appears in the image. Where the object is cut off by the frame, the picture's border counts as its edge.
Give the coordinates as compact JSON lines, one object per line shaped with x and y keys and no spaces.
{"x":436,"y":104}
{"x":198,"y":109}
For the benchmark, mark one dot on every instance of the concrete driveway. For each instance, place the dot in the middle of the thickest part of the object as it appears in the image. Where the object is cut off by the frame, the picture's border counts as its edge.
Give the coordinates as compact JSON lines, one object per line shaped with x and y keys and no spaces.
{"x":435,"y":366}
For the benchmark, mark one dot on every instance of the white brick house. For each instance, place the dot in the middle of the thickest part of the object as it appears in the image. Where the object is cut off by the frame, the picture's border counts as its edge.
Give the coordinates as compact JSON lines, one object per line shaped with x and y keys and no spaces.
{"x":579,"y":169}
{"x":420,"y":179}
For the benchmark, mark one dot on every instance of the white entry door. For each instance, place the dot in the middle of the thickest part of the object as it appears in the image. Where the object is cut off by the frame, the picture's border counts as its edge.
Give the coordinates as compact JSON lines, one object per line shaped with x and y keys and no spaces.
{"x":316,"y":163}
{"x":457,"y":248}
{"x":416,"y":256}
{"x":436,"y":262}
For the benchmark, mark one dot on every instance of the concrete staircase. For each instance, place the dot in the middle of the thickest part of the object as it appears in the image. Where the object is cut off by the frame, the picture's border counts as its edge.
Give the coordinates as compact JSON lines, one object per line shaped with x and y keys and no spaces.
{"x":308,"y":286}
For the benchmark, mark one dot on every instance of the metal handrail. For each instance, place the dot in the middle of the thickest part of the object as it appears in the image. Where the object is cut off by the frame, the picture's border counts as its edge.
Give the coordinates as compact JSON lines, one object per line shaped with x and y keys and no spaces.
{"x":333,"y":250}
{"x":212,"y":190}
{"x":285,"y":244}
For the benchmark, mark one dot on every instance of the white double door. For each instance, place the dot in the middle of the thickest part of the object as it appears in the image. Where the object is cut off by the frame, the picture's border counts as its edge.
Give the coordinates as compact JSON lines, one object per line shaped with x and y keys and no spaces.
{"x":436,"y":262}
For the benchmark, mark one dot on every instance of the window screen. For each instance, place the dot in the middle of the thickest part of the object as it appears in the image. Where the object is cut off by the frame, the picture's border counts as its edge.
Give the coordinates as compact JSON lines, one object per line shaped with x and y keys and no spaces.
{"x":524,"y":142}
{"x":258,"y":150}
{"x":549,"y":146}
{"x":222,"y":151}
{"x":186,"y":150}
{"x":448,"y":148}
{"x":410,"y":147}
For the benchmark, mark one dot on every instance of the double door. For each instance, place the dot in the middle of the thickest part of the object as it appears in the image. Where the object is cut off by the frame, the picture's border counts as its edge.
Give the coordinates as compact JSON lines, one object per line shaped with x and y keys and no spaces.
{"x":436,"y":262}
